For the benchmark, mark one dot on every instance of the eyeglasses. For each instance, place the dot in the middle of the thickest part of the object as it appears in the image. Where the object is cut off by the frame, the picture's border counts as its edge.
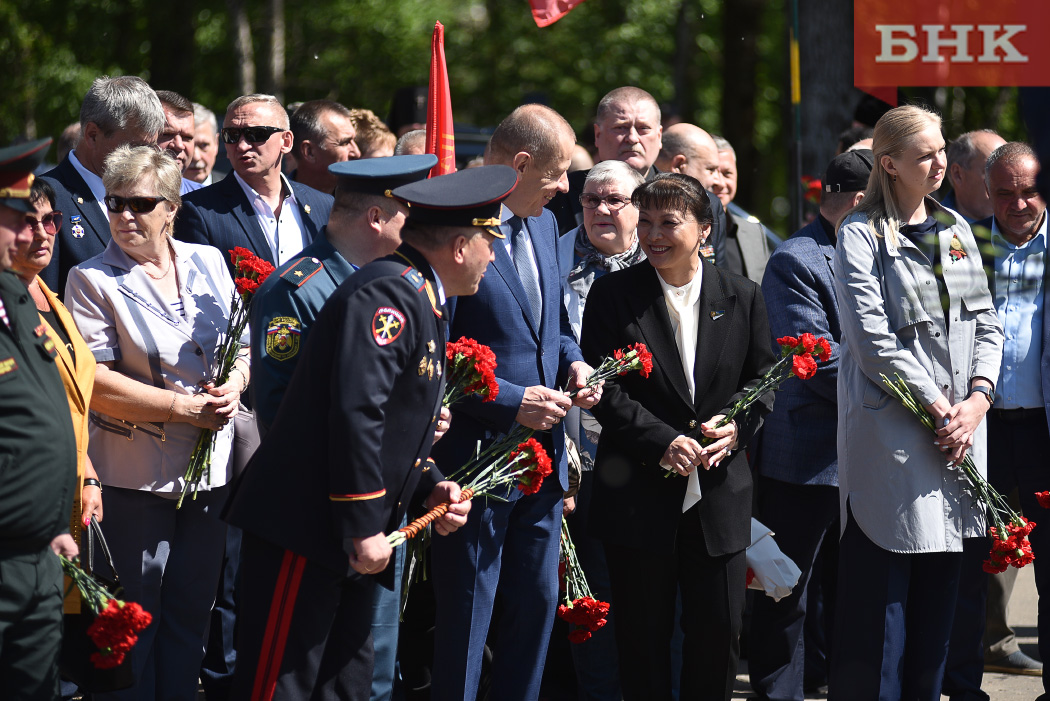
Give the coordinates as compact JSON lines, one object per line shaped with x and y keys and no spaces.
{"x":51,"y":222}
{"x":138,"y":205}
{"x":613,"y":202}
{"x":253,"y":135}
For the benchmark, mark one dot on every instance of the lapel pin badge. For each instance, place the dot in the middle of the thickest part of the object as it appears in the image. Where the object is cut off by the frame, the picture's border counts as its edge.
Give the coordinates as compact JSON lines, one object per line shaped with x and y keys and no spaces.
{"x":716,"y":315}
{"x":80,"y":200}
{"x":306,"y":208}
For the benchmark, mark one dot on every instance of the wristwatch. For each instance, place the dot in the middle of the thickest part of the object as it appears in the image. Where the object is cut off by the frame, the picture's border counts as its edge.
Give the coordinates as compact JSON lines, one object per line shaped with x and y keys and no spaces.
{"x":988,"y":393}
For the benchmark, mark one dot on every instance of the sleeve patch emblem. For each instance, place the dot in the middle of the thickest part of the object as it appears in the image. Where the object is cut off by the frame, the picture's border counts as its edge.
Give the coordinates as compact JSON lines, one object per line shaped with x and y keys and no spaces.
{"x":387,"y":325}
{"x":282,"y":337}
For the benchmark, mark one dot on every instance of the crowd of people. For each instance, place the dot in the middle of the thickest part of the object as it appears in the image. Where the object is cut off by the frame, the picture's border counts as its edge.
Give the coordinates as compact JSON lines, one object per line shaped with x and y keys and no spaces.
{"x":277,"y":580}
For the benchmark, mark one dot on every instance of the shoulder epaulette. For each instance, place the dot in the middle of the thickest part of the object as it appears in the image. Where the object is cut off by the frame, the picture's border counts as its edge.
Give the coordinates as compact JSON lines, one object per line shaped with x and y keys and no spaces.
{"x":302,"y":270}
{"x":415,"y":277}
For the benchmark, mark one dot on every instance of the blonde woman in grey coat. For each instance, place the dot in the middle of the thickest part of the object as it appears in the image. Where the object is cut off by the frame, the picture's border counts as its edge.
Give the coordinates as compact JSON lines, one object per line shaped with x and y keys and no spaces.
{"x":915,"y":304}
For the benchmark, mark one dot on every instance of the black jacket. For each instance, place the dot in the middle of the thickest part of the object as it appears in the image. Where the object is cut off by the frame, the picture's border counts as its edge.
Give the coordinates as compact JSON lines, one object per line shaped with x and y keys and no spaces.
{"x":635,"y":503}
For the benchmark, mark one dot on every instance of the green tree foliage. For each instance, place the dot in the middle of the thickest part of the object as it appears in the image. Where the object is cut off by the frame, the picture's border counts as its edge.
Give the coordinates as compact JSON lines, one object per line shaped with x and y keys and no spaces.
{"x":720,"y":65}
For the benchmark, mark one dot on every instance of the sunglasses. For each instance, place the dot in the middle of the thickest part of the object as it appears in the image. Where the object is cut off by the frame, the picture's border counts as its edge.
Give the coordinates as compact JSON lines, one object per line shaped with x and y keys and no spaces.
{"x":51,"y":222}
{"x":613,"y":202}
{"x":253,"y":135}
{"x":138,"y":205}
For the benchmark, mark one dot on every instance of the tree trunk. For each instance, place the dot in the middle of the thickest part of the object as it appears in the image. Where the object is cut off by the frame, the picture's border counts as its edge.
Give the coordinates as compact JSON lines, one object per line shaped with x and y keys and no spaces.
{"x":274,"y":81}
{"x":242,"y":46}
{"x":741,"y":26}
{"x":828,"y":95}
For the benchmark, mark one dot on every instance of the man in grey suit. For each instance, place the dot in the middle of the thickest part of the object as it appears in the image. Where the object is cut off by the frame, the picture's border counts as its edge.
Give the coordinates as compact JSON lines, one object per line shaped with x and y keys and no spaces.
{"x":747,"y":238}
{"x":796,"y":460}
{"x":115,"y":111}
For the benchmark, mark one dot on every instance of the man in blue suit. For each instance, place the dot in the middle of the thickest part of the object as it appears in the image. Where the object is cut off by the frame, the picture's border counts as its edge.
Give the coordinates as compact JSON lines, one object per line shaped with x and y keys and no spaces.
{"x":115,"y":111}
{"x":258,"y":208}
{"x":513,"y":543}
{"x":255,"y":206}
{"x":796,"y":461}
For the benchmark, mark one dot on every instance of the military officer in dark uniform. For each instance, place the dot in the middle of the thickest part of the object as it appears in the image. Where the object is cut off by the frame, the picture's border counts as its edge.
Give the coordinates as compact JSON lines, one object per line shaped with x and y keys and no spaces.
{"x":348,"y":449}
{"x":365,"y":224}
{"x":38,"y":459}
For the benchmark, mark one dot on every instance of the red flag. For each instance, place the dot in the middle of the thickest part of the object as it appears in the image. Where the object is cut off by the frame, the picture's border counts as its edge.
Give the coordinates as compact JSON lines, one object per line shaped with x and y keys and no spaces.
{"x":441,"y":140}
{"x":547,"y":12}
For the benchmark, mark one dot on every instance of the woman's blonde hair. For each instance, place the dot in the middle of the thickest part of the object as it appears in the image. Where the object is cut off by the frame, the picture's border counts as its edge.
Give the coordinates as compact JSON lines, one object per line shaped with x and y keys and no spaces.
{"x":127,"y":165}
{"x":894,"y":132}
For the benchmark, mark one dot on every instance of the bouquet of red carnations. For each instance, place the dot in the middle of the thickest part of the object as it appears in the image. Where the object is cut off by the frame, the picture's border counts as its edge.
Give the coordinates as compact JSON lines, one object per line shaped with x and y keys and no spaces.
{"x":798,"y":358}
{"x":471,"y":369}
{"x":1009,"y":530}
{"x":252,"y":272}
{"x":117,"y":623}
{"x":516,"y":458}
{"x":621,"y":362}
{"x":581,"y":610}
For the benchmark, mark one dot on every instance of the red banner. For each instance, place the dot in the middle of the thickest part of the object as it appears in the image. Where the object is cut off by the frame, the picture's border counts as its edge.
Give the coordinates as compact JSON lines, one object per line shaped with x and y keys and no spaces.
{"x":441,"y":139}
{"x":547,"y":12}
{"x":950,"y":42}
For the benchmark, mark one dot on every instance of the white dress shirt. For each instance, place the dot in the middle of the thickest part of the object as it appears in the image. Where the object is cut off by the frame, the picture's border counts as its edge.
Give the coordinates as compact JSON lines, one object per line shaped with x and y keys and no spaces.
{"x":284,"y":233}
{"x":93,"y":182}
{"x":683,"y":306}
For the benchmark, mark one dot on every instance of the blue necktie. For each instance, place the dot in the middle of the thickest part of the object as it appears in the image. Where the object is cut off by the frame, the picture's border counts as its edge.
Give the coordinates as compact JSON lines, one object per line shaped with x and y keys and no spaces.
{"x":523,"y":264}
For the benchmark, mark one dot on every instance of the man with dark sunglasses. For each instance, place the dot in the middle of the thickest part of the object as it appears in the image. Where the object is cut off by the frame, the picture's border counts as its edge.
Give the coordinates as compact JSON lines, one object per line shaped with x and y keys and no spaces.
{"x":115,"y":111}
{"x":255,"y":206}
{"x":258,"y":208}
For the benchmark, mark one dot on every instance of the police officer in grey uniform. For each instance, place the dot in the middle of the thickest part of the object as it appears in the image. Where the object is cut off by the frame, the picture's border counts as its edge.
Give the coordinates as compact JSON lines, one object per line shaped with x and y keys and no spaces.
{"x":38,"y":459}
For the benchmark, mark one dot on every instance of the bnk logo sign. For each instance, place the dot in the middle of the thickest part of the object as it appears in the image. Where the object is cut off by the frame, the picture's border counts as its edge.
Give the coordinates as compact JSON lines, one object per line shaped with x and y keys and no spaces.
{"x":951,"y":42}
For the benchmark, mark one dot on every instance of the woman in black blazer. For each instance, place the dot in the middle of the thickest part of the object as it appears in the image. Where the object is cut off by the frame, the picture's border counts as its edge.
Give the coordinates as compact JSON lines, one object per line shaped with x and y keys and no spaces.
{"x":657,"y":537}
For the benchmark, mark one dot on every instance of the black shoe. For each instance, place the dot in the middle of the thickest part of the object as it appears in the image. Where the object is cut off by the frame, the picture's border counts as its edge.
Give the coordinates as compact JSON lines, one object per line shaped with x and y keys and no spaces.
{"x":1015,"y":663}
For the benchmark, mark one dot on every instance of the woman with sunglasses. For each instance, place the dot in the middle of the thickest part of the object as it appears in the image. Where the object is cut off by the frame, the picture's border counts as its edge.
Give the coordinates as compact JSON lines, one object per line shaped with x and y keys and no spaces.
{"x":75,"y":363}
{"x":153,"y":311}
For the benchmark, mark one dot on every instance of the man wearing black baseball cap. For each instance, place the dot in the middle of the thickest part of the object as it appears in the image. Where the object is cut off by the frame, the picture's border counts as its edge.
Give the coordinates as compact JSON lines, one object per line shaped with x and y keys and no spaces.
{"x":38,"y":459}
{"x":348,"y":451}
{"x":796,"y":463}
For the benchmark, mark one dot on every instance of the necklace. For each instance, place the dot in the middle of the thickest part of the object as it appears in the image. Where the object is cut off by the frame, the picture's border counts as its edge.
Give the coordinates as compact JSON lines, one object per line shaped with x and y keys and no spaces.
{"x":157,"y":264}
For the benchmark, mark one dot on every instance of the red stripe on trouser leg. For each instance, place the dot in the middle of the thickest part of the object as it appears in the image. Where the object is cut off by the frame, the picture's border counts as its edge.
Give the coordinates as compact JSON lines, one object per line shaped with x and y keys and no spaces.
{"x":277,"y":624}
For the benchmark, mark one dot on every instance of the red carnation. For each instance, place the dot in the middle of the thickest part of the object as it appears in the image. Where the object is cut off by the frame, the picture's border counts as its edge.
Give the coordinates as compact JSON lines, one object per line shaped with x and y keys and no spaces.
{"x":537,"y":465}
{"x":803,"y":366}
{"x":750,"y":577}
{"x":644,"y":357}
{"x":787,"y":343}
{"x":1044,"y":499}
{"x":579,"y":635}
{"x":114,"y":632}
{"x":824,"y":351}
{"x":808,"y":341}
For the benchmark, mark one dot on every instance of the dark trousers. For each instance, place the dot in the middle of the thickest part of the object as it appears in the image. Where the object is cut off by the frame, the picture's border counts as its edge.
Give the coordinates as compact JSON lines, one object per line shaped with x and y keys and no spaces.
{"x":644,"y":584}
{"x":965,"y":667}
{"x":511,"y":547}
{"x":220,"y":654}
{"x":304,"y":632}
{"x":597,"y":676}
{"x":893,"y":621}
{"x":30,"y":625}
{"x":804,"y":518}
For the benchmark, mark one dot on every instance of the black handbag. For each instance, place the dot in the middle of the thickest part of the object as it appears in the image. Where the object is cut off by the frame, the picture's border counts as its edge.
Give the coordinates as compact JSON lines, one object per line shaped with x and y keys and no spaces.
{"x":77,"y":647}
{"x":246,"y":439}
